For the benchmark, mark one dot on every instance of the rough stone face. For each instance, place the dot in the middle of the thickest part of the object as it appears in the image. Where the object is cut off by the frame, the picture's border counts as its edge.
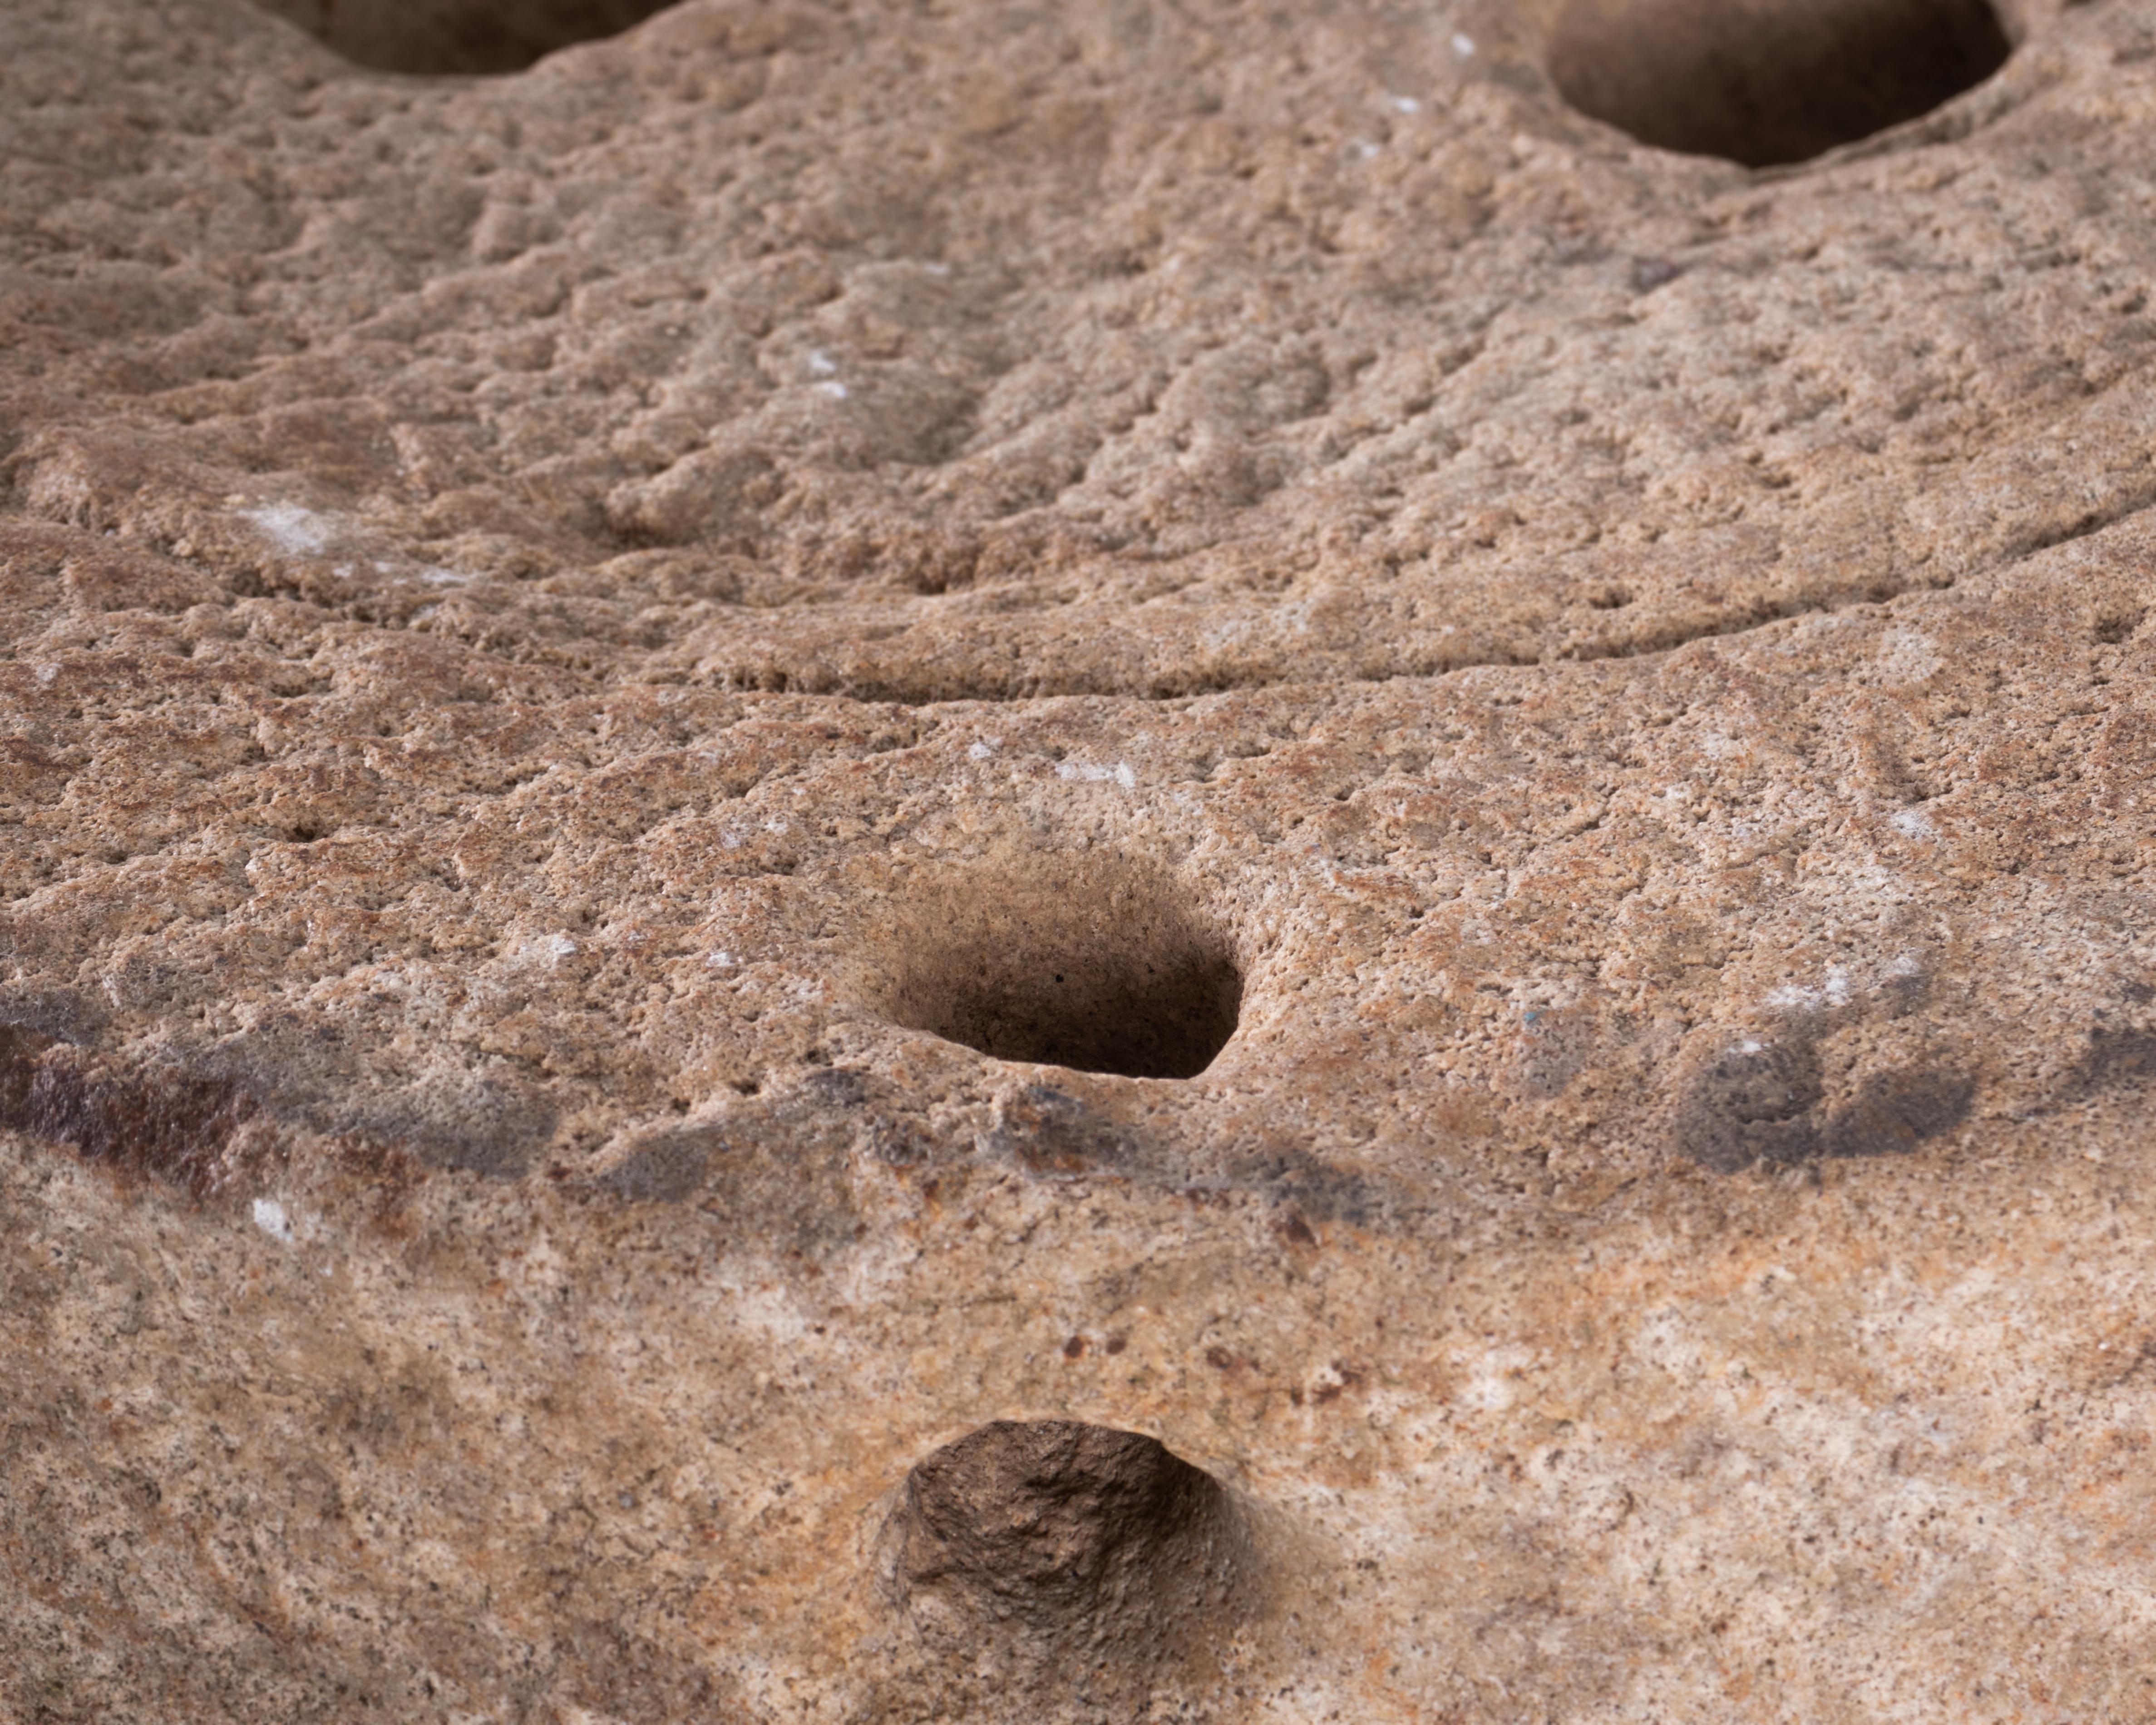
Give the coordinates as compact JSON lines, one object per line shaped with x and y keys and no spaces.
{"x":1075,"y":1564}
{"x":879,"y":863}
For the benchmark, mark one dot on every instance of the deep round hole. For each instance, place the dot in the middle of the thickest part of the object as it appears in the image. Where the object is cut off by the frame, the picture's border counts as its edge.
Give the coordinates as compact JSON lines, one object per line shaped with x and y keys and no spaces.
{"x":1086,"y":962}
{"x":444,"y":37}
{"x":1070,"y":1536}
{"x":1768,"y":81}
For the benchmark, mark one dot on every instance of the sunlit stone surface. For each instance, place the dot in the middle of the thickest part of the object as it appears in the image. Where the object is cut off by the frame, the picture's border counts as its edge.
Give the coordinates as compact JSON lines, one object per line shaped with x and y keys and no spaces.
{"x":1095,"y":863}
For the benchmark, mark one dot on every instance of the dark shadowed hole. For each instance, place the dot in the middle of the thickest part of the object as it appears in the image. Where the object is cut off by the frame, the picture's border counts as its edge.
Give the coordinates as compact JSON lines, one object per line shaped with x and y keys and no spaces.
{"x":1767,"y":81}
{"x":441,"y":37}
{"x":1085,"y":962}
{"x":1070,"y":1536}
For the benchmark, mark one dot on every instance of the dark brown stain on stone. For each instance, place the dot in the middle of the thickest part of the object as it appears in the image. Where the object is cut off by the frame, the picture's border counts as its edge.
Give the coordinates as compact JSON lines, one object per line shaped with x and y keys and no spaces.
{"x":1296,"y":1231}
{"x":171,"y":1125}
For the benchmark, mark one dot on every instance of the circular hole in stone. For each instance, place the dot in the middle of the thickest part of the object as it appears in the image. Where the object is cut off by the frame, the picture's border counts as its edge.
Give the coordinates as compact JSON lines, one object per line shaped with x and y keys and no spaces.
{"x":1062,"y":1537}
{"x":1768,"y":81}
{"x":445,"y":36}
{"x":1086,"y":962}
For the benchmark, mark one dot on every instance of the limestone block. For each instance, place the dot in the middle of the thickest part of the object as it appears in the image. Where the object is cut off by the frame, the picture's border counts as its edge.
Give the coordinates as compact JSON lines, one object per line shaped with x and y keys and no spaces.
{"x":873,"y":862}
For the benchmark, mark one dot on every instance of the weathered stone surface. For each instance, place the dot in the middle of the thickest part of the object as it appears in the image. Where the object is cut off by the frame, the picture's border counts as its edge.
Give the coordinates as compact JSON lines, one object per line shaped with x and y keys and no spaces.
{"x":848,"y":846}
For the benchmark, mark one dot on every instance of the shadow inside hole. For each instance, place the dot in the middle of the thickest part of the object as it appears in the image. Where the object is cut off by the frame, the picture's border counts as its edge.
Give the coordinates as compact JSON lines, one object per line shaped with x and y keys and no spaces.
{"x":1768,"y":81}
{"x":1034,"y":1541}
{"x":449,"y":36}
{"x":1088,"y":964}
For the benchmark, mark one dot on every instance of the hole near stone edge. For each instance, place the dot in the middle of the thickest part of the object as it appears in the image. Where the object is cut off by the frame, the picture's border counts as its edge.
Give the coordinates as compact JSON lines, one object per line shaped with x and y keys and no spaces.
{"x":1768,"y":82}
{"x":1088,"y":962}
{"x":451,"y":37}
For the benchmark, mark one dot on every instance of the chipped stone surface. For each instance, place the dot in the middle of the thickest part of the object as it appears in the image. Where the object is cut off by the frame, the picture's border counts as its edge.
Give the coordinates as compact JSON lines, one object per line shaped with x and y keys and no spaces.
{"x":620,"y":679}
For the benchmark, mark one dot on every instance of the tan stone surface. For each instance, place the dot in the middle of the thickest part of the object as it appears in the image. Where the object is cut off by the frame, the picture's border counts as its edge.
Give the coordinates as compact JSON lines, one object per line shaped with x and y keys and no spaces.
{"x":567,"y":631}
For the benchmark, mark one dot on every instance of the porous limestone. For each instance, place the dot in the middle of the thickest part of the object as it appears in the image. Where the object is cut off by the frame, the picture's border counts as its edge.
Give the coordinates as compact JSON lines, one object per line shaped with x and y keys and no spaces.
{"x":876,"y":862}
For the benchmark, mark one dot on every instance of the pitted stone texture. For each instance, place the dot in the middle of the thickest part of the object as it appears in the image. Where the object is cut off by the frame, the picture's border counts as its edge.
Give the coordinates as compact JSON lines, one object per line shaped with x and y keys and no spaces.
{"x":1125,"y":350}
{"x":1073,"y":1562}
{"x":597,"y":662}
